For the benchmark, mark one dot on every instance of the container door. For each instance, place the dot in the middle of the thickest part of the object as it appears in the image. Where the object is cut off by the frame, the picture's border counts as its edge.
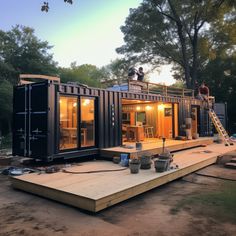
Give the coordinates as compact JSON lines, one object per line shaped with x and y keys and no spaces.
{"x":30,"y":120}
{"x":20,"y":120}
{"x":38,"y":120}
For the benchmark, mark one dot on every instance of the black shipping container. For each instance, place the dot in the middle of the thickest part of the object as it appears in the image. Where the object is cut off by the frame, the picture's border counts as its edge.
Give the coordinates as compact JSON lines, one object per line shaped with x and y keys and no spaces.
{"x":36,"y":118}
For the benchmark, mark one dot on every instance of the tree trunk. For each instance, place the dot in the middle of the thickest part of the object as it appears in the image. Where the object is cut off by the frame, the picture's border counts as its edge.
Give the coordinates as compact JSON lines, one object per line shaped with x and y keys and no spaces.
{"x":195,"y":59}
{"x":182,"y":39}
{"x":184,"y":55}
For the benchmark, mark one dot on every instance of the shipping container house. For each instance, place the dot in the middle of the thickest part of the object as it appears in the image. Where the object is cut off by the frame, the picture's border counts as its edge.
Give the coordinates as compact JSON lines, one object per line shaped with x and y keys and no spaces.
{"x":54,"y":120}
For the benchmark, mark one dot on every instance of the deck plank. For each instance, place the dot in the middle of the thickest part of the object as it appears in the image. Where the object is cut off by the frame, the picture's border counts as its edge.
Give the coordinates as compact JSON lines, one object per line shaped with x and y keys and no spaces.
{"x":155,"y":147}
{"x":97,"y":191}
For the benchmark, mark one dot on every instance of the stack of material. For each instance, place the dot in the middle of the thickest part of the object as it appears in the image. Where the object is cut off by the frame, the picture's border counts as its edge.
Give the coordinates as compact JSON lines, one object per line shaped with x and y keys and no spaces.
{"x":231,"y":164}
{"x":164,"y":159}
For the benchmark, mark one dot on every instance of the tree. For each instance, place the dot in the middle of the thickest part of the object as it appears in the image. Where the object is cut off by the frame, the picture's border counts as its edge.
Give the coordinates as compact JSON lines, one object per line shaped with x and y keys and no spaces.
{"x":22,"y":52}
{"x":45,"y":5}
{"x":220,"y":76}
{"x":165,"y":31}
{"x":5,"y":106}
{"x":85,"y":74}
{"x":219,"y":70}
{"x":116,"y":72}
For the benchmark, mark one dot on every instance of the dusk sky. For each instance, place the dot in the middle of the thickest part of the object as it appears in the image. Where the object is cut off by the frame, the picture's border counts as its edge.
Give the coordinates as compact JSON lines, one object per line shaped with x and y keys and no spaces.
{"x":86,"y":32}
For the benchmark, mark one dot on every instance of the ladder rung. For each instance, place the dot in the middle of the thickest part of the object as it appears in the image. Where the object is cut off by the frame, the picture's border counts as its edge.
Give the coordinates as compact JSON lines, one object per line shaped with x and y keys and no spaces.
{"x":219,"y":127}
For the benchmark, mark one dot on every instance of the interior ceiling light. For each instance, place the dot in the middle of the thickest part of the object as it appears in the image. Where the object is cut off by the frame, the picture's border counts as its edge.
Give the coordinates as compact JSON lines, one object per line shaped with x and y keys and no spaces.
{"x":148,"y":108}
{"x":161,"y":107}
{"x":86,"y":102}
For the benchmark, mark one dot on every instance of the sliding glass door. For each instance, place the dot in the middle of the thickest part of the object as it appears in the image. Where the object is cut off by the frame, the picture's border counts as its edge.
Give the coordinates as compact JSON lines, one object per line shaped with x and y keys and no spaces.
{"x":77,"y":122}
{"x":87,"y":121}
{"x":68,"y":122}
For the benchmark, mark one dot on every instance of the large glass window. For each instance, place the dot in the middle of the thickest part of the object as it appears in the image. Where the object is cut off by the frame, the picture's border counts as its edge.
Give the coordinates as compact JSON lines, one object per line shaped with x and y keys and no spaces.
{"x":68,"y":122}
{"x":87,"y":124}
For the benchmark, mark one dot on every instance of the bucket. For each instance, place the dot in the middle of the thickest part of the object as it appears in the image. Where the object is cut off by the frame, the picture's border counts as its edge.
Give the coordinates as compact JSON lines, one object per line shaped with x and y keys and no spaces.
{"x":145,"y":162}
{"x":161,"y":165}
{"x":124,"y":160}
{"x":139,"y":146}
{"x":134,"y":166}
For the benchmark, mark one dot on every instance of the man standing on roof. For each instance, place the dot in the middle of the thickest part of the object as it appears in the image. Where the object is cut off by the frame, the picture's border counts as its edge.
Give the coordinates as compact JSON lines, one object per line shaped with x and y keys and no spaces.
{"x":132,"y":73}
{"x":140,"y":74}
{"x":203,"y":92}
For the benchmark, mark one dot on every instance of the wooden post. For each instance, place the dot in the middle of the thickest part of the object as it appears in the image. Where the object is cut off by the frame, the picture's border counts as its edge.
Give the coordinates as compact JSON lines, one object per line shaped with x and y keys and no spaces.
{"x":166,"y":90}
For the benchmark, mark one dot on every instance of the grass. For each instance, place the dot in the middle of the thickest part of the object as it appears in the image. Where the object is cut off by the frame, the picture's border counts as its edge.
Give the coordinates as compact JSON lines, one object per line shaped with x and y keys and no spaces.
{"x":218,"y":203}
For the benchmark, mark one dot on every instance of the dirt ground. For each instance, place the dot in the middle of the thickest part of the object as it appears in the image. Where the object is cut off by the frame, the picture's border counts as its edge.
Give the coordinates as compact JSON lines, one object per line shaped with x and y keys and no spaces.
{"x":193,"y":205}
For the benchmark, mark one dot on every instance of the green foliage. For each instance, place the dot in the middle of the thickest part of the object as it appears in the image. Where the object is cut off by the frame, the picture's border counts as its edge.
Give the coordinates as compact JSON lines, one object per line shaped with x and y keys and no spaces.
{"x":116,"y":71}
{"x":220,"y":76}
{"x":6,"y":93}
{"x":185,"y":34}
{"x":45,"y":6}
{"x":85,"y":74}
{"x":179,"y":84}
{"x":22,"y":52}
{"x":6,"y":141}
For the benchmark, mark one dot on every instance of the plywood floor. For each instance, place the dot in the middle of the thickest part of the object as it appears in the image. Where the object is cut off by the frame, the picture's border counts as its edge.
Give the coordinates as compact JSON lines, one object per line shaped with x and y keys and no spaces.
{"x":97,"y":191}
{"x":154,"y":146}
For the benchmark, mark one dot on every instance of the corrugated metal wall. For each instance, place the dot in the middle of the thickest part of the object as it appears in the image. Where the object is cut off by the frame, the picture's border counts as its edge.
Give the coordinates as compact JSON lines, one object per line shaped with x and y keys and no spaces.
{"x":109,"y":112}
{"x":109,"y":106}
{"x":109,"y":135}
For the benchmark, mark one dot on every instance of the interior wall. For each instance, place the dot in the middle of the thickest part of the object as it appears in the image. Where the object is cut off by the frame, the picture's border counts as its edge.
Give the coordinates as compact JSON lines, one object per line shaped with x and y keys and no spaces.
{"x":176,"y":119}
{"x":68,"y":111}
{"x":151,"y":114}
{"x":158,"y":115}
{"x":87,"y":109}
{"x":165,"y":126}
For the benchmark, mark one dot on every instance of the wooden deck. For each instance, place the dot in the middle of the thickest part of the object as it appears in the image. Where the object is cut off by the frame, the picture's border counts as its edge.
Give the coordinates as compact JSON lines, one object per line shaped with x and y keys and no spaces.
{"x":97,"y":191}
{"x":155,"y":147}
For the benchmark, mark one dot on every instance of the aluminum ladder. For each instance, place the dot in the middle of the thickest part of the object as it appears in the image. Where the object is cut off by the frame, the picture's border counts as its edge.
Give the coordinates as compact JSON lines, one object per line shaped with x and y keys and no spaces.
{"x":219,"y":127}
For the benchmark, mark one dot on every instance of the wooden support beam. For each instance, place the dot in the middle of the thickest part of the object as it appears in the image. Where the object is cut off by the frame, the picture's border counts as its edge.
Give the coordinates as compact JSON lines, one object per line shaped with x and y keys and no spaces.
{"x":33,"y":76}
{"x":25,"y":82}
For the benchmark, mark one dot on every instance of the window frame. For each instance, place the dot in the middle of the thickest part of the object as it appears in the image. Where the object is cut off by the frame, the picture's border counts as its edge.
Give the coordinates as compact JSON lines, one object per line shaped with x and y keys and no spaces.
{"x":79,"y":147}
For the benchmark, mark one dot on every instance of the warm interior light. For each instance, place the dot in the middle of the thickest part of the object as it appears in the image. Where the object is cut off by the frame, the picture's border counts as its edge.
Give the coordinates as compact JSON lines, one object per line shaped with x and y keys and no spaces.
{"x":60,"y":101}
{"x":138,"y":108}
{"x":74,"y":104}
{"x":161,"y":107}
{"x":148,"y":108}
{"x":86,"y":102}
